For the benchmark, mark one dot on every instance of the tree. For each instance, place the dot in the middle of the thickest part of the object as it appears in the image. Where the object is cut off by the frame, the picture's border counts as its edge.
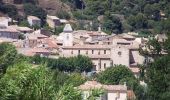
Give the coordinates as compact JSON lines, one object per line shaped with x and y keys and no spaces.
{"x":113,"y":75}
{"x":76,"y":79}
{"x":120,"y":74}
{"x":152,"y":11}
{"x":68,"y":92}
{"x":83,"y":63}
{"x":28,"y":82}
{"x":154,"y":47}
{"x":158,"y":78}
{"x":62,"y":14}
{"x":78,"y":63}
{"x":8,"y":54}
{"x":138,"y":22}
{"x":9,"y":9}
{"x":31,"y":9}
{"x":112,"y":23}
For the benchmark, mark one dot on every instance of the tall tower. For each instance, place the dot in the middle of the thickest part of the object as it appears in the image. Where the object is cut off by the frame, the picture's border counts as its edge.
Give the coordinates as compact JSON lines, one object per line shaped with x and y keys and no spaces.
{"x":68,"y":36}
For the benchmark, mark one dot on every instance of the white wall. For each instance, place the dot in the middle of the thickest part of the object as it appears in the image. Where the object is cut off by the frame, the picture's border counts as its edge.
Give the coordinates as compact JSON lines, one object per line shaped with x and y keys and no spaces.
{"x":113,"y":96}
{"x":68,"y":39}
{"x":4,"y":22}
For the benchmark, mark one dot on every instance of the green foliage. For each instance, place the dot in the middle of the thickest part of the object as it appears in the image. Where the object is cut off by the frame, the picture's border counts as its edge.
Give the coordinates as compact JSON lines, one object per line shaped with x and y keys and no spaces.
{"x":30,"y":1}
{"x":58,"y":30}
{"x":67,"y":92}
{"x":8,"y":56}
{"x":138,"y":22}
{"x":154,"y":46}
{"x":11,"y":10}
{"x":28,"y":82}
{"x":113,"y":75}
{"x":112,"y":23}
{"x":79,"y":63}
{"x":63,"y":14}
{"x":158,"y":78}
{"x":31,"y":9}
{"x":24,"y":23}
{"x":95,"y":94}
{"x":76,"y":79}
{"x":120,"y":74}
{"x":136,"y":13}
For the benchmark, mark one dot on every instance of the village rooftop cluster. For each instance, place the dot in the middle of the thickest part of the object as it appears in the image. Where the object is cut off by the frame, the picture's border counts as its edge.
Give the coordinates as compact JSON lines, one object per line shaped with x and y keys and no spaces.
{"x":104,"y":50}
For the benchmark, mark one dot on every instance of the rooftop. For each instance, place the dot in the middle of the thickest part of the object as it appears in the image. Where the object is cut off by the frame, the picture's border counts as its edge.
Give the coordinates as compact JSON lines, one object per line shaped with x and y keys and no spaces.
{"x":87,"y":47}
{"x":9,"y":29}
{"x":96,"y":85}
{"x":33,"y":17}
{"x":67,"y":28}
{"x":52,"y":17}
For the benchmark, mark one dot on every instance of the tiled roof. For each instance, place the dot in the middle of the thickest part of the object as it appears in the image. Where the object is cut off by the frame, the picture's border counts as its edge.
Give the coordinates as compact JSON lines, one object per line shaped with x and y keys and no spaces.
{"x":87,"y":47}
{"x":32,"y":51}
{"x":9,"y":29}
{"x":50,"y":42}
{"x":35,"y":35}
{"x":33,"y":17}
{"x":96,"y":85}
{"x":67,"y":28}
{"x":7,"y":40}
{"x":52,"y":17}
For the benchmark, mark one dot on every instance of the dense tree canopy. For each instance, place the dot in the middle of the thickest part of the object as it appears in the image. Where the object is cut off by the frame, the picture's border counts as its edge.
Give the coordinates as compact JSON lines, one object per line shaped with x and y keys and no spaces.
{"x":8,"y":56}
{"x":158,"y":79}
{"x":9,"y":9}
{"x":136,"y":14}
{"x":79,"y":63}
{"x":28,"y":82}
{"x":34,"y":10}
{"x":120,"y":74}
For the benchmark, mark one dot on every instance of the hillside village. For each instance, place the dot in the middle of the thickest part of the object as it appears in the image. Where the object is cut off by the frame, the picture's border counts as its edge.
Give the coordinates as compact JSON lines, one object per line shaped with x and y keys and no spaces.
{"x":104,"y":50}
{"x":54,"y":40}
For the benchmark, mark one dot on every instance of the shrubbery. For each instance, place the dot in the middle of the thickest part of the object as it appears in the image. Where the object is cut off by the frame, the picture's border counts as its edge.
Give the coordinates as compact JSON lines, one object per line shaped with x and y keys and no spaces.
{"x":79,"y":63}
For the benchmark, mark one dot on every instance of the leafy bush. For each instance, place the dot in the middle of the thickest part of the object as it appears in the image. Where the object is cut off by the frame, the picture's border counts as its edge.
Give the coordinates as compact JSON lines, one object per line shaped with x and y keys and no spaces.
{"x":11,"y":10}
{"x":63,"y":14}
{"x":79,"y":63}
{"x":31,"y":9}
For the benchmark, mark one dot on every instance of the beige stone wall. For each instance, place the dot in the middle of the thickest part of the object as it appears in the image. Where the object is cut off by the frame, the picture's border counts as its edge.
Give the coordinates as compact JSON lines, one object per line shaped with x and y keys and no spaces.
{"x":100,"y":63}
{"x":120,"y":55}
{"x":50,"y":23}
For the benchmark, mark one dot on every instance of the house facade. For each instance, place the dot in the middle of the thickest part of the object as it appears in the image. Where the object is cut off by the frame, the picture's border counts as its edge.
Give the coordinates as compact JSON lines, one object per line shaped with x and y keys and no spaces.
{"x":7,"y":32}
{"x":111,"y":92}
{"x":34,"y":21}
{"x":53,"y":21}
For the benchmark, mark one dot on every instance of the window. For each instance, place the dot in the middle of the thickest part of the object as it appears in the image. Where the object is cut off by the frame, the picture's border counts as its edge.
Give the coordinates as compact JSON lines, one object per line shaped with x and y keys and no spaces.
{"x":92,"y":51}
{"x":87,"y":52}
{"x":99,"y":66}
{"x":104,"y":65}
{"x":71,"y":52}
{"x":99,"y":53}
{"x":78,"y":51}
{"x":119,"y":53}
{"x":67,"y":36}
{"x":104,"y":51}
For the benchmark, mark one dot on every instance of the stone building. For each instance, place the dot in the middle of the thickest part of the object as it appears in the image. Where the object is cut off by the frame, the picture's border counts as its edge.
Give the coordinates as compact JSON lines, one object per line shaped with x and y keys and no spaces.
{"x":105,"y":51}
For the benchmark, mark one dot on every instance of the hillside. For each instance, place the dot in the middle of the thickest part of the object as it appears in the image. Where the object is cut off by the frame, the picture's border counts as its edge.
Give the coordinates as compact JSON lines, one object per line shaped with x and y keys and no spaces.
{"x":51,"y":6}
{"x":114,"y":16}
